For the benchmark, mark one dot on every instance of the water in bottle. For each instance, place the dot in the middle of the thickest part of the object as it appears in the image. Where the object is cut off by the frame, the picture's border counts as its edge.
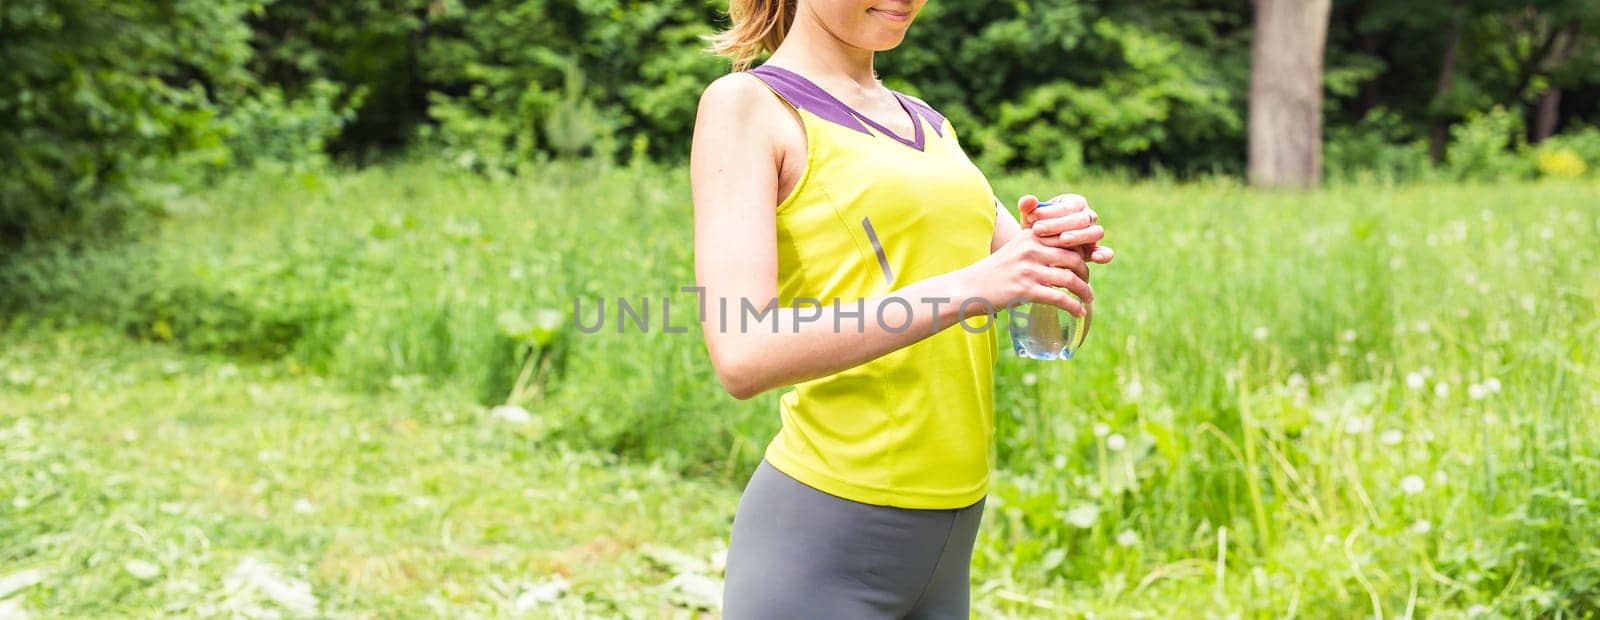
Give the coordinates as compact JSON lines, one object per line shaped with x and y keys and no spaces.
{"x":1044,"y":332}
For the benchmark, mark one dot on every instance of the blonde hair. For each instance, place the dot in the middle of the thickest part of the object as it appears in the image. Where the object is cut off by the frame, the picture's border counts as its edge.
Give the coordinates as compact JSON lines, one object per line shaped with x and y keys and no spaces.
{"x":758,"y":27}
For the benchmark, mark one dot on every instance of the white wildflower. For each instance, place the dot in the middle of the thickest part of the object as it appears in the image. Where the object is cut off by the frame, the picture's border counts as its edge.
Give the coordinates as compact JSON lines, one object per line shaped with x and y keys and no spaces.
{"x":1261,"y":334}
{"x":511,"y":414}
{"x":141,"y":569}
{"x":1492,"y":384}
{"x":1477,"y":391}
{"x":1116,"y":442}
{"x":1441,"y":389}
{"x":1422,"y":327}
{"x":254,"y":576}
{"x":1083,"y":515}
{"x":1391,"y":437}
{"x":1133,"y":389}
{"x":1412,"y":484}
{"x":1128,"y":538}
{"x":1358,"y":425}
{"x":1029,"y":378}
{"x":1415,"y":380}
{"x":304,"y":506}
{"x":1349,"y":335}
{"x":541,"y":593}
{"x":1101,"y":430}
{"x":1420,"y":527}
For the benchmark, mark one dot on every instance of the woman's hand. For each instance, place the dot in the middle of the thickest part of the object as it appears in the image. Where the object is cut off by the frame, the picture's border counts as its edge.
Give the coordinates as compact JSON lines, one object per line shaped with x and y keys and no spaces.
{"x":1066,"y":221}
{"x":1027,"y":270}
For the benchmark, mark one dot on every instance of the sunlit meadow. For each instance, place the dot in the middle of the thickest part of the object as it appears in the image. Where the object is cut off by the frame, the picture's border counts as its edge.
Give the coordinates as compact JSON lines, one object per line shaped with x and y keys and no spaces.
{"x":360,"y":394}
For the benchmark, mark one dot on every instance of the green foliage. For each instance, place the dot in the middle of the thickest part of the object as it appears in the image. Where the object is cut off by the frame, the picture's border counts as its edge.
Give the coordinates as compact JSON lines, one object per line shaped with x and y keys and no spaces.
{"x":155,"y":292}
{"x":266,"y":129}
{"x":1580,"y":150}
{"x":366,"y":46}
{"x":1067,"y":85}
{"x":97,"y":95}
{"x":597,"y":72}
{"x":108,"y":103}
{"x":1486,"y":147}
{"x":1379,"y":147}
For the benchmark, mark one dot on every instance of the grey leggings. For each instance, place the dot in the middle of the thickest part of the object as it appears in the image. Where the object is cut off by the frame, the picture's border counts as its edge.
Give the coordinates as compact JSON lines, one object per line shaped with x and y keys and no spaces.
{"x":797,"y":552}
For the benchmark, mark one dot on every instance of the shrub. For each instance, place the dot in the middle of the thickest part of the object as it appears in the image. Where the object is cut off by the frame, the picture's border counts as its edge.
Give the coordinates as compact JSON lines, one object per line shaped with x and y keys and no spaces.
{"x":1379,"y":146}
{"x":1569,"y":155}
{"x":1485,"y":148}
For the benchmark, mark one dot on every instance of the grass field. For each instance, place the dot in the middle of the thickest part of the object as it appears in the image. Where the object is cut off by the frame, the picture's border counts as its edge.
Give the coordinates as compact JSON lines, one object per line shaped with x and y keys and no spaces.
{"x":1365,"y":401}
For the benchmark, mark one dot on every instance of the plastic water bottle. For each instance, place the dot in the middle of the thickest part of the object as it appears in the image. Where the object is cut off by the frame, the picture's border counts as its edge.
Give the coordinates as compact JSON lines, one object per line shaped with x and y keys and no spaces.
{"x":1044,"y":332}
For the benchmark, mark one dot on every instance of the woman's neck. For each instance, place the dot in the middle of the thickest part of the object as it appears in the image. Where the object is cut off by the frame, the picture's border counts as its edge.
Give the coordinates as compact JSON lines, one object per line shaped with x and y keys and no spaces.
{"x":811,"y":49}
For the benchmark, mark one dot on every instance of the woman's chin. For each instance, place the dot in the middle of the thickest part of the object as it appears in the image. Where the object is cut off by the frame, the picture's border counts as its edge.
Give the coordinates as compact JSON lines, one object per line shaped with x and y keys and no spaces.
{"x":884,"y":44}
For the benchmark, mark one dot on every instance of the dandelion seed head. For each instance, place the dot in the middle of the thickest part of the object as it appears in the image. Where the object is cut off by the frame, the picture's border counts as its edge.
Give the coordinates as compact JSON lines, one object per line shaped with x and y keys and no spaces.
{"x":1116,"y":442}
{"x":1101,"y":429}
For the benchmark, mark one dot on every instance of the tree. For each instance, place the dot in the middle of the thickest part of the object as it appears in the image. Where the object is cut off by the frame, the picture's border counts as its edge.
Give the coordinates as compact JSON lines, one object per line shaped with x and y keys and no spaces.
{"x":1286,"y":92}
{"x":97,"y":96}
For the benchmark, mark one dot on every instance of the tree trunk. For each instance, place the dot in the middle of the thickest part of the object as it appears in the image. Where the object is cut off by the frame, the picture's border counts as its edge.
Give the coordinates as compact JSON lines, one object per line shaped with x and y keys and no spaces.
{"x":1286,"y":92}
{"x":1447,"y":72}
{"x":1546,"y":114}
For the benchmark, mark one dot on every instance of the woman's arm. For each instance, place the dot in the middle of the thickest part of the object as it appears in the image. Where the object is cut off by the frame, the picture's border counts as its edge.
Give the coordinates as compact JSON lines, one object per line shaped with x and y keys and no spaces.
{"x":733,"y":171}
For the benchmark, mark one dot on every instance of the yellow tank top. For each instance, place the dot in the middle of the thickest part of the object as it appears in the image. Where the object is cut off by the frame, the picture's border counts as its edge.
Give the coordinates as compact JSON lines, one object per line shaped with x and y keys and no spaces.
{"x":873,"y":212}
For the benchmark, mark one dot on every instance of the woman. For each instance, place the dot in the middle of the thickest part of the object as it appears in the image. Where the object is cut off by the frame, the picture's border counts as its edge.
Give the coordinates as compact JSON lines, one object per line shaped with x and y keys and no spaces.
{"x":840,"y":235}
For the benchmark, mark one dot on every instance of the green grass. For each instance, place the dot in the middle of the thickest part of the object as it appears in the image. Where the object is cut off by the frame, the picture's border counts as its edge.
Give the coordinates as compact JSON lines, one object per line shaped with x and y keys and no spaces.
{"x":1367,"y":400}
{"x":402,"y":502}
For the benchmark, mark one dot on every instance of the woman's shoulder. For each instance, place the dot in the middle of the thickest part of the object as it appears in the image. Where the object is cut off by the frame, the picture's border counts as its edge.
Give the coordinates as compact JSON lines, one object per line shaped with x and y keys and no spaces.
{"x":738,"y":111}
{"x":738,"y":89}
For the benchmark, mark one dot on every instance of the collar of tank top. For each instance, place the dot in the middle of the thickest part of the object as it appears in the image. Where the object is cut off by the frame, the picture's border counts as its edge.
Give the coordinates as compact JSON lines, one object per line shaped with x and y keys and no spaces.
{"x":805,"y":94}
